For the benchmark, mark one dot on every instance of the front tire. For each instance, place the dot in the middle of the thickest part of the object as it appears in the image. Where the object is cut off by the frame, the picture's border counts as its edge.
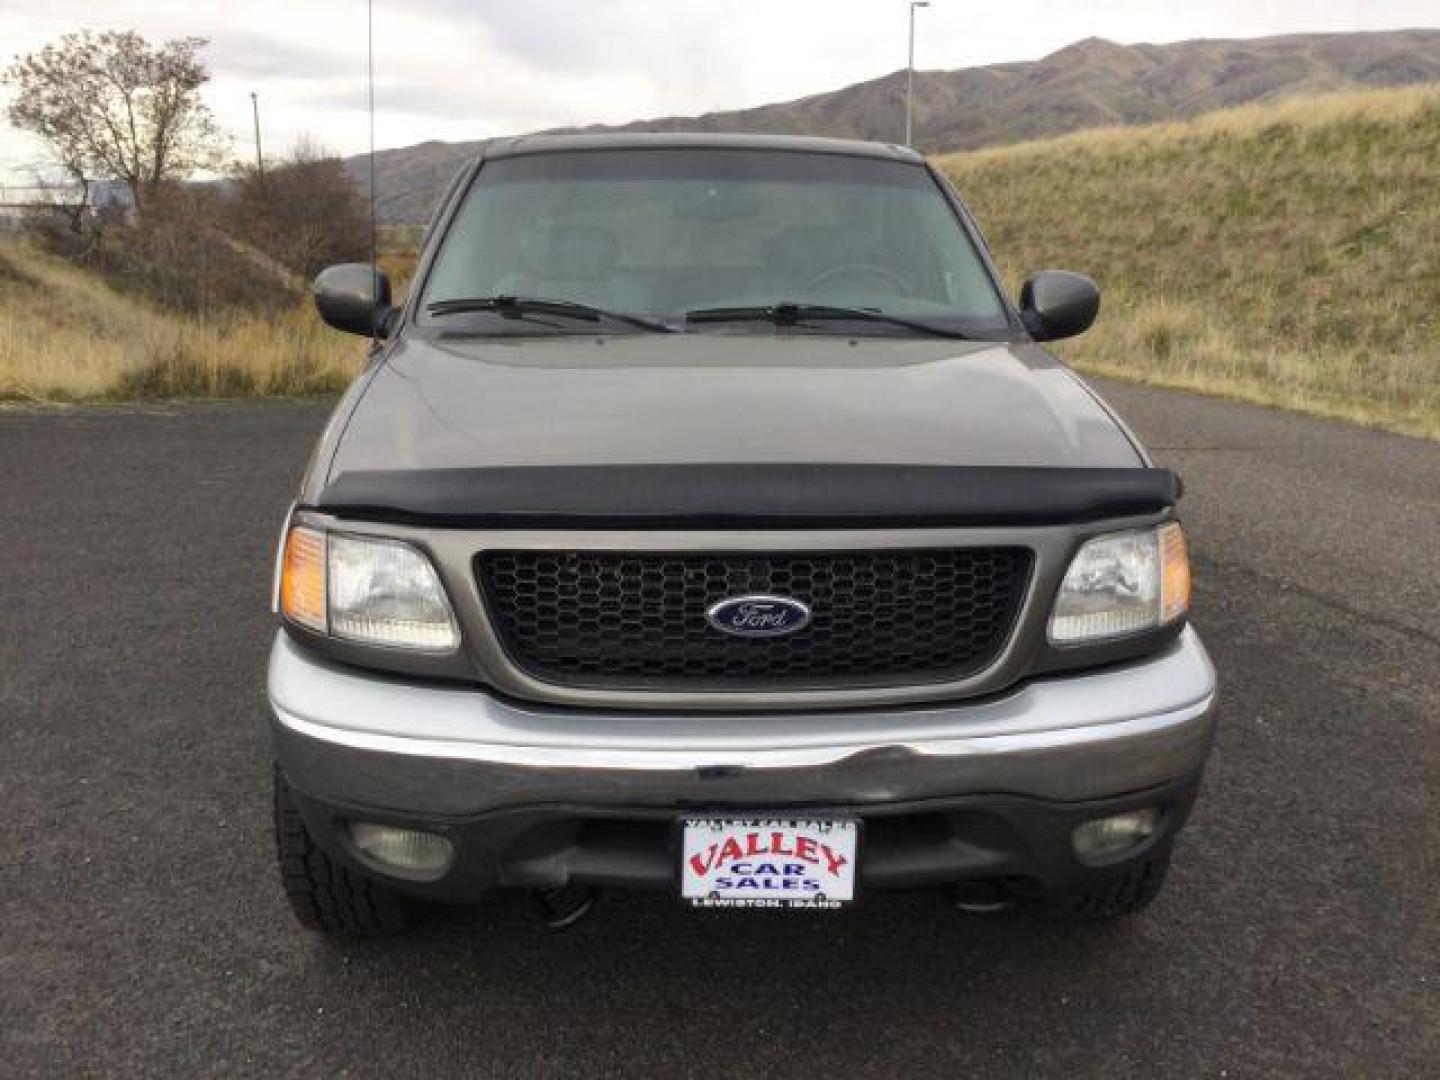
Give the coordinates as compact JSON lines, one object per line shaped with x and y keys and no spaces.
{"x":1128,"y":892}
{"x":324,"y":894}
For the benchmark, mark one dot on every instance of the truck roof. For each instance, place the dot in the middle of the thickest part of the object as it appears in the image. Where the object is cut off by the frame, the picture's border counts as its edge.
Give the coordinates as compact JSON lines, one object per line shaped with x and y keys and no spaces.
{"x":686,"y":140}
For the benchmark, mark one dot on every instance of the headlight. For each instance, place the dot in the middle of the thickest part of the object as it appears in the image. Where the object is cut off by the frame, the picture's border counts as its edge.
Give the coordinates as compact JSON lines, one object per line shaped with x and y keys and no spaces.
{"x":363,"y":589}
{"x":1123,"y":584}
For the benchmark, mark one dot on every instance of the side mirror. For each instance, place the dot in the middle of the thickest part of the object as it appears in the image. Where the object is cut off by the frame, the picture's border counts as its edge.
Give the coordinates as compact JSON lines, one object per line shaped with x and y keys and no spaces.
{"x":354,"y":298}
{"x":1058,"y":304}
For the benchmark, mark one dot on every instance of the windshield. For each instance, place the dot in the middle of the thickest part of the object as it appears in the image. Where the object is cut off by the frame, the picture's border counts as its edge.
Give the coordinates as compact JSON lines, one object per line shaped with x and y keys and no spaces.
{"x":663,"y":233}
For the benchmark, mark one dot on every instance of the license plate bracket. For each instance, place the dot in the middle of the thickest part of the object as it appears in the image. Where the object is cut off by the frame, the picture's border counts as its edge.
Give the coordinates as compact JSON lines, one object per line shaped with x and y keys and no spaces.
{"x":781,"y":861}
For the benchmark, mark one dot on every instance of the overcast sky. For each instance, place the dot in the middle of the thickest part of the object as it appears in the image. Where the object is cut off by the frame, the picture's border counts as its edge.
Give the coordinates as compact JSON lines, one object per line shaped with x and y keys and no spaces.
{"x":464,"y":69}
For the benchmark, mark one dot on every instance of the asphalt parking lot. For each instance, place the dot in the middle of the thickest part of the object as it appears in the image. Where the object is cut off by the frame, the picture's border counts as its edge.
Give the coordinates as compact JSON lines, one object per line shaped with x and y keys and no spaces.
{"x":143,"y":933}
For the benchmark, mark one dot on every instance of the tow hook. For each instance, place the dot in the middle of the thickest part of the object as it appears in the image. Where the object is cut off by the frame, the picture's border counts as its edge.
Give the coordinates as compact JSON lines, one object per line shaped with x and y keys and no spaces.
{"x":562,"y":908}
{"x":980,"y":897}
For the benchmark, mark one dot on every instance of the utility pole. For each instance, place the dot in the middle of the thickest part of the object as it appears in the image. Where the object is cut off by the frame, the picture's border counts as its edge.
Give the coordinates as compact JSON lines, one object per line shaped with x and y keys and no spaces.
{"x":259,"y":157}
{"x":910,"y":71}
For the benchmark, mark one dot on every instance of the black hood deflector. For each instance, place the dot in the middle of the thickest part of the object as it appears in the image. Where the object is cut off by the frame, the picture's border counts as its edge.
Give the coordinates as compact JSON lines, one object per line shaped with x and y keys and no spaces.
{"x":748,"y":496}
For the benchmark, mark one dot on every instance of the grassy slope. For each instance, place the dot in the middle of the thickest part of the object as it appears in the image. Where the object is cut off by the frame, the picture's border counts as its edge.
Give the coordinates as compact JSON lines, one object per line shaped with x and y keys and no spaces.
{"x":1285,"y":253}
{"x":66,"y":335}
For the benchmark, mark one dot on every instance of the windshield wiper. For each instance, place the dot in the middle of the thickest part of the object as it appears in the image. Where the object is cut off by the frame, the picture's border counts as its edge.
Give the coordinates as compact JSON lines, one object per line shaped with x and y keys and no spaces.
{"x":789,"y":313}
{"x":517,"y":307}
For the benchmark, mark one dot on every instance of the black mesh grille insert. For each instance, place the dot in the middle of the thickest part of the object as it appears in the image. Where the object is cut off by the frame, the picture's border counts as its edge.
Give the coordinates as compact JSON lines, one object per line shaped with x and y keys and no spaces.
{"x":597,"y":618}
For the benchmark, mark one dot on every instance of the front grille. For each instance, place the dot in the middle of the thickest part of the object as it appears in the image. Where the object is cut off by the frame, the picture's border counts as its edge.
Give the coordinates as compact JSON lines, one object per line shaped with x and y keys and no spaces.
{"x":637,"y":620}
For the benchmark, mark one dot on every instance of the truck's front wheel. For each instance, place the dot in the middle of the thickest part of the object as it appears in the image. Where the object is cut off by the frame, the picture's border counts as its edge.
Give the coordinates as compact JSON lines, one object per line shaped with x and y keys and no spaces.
{"x":324,"y":894}
{"x":1126,"y":893}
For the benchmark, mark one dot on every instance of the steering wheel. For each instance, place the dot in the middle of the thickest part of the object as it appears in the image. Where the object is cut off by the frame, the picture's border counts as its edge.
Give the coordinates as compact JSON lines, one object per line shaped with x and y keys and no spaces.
{"x":860,"y":270}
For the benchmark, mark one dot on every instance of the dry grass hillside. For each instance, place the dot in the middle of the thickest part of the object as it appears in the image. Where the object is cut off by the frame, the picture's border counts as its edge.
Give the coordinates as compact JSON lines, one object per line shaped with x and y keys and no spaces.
{"x":66,"y":335}
{"x":1285,"y":253}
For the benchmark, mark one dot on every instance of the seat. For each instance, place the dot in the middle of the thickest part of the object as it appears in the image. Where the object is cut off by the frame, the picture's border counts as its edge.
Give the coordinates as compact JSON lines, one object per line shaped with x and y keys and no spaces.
{"x":794,"y":257}
{"x":565,"y":262}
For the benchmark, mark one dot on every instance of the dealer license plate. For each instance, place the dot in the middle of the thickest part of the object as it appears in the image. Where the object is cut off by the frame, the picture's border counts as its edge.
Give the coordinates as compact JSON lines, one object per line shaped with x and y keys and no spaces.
{"x":769,"y":862}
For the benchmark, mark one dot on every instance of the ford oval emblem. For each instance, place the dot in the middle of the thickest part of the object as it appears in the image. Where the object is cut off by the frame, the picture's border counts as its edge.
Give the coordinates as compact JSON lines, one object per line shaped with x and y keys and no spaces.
{"x":758,"y":616}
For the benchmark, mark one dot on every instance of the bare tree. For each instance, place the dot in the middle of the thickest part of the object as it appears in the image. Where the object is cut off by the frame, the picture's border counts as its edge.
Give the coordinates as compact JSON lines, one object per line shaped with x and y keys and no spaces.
{"x":111,"y":106}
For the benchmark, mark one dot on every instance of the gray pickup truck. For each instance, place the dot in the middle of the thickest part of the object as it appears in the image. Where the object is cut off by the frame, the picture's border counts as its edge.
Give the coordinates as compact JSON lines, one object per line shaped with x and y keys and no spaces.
{"x":708,"y":520}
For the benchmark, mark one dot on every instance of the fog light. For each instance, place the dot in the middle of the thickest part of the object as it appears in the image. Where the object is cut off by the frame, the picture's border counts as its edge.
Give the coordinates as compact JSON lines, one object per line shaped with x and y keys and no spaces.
{"x":403,"y":849}
{"x":1109,"y":836}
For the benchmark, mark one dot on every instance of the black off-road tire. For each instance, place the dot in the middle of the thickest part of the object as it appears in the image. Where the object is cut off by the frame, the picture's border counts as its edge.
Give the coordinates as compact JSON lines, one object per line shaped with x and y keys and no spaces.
{"x":1126,"y":893}
{"x":325,"y":895}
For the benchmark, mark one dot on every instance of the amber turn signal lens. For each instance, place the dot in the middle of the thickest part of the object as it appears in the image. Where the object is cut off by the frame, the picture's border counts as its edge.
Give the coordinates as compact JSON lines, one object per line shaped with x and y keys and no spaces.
{"x":1174,"y":573}
{"x":302,"y":578}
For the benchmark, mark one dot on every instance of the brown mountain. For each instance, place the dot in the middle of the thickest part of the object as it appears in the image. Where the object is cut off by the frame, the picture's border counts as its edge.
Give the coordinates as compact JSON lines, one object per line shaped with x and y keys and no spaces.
{"x":1091,"y":83}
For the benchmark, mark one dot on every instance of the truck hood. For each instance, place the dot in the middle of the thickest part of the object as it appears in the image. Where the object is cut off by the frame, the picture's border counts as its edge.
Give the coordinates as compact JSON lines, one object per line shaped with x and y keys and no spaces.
{"x":447,"y":403}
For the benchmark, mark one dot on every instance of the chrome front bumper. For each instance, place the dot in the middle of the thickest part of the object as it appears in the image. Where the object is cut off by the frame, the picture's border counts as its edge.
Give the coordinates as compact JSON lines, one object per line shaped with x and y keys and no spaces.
{"x":351,"y":739}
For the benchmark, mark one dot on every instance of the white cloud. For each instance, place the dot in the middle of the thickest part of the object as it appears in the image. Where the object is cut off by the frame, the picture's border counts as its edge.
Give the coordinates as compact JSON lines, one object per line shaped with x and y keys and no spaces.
{"x":463,"y":69}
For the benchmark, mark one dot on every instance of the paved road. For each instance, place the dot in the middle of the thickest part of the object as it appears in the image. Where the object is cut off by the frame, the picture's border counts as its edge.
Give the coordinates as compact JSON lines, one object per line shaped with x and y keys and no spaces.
{"x":143,"y":931}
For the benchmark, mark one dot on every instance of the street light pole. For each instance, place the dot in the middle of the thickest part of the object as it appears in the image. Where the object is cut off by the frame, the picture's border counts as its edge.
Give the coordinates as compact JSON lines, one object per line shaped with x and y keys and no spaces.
{"x":259,"y":157}
{"x":910,"y":71}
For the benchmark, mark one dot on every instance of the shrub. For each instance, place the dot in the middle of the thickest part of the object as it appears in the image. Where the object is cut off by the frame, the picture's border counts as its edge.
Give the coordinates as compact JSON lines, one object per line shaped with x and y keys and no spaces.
{"x":178,"y":256}
{"x":306,"y":213}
